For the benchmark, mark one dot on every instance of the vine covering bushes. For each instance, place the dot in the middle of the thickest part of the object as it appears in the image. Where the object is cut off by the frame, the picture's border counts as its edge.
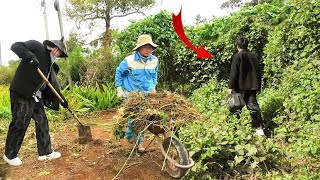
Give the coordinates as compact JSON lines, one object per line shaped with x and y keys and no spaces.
{"x":285,"y":36}
{"x":294,"y":39}
{"x":289,"y":102}
{"x":178,"y":64}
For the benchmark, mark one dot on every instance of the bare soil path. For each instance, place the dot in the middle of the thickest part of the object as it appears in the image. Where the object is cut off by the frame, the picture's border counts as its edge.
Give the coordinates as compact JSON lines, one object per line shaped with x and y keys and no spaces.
{"x":101,"y":158}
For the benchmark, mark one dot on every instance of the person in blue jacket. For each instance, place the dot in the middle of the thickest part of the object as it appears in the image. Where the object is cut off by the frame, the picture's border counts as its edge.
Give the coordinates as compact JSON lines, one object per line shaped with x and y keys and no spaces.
{"x":138,"y":73}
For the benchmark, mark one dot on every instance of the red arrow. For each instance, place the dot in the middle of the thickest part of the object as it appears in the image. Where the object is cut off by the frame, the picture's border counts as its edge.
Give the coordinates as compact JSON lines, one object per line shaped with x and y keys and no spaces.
{"x":177,"y":24}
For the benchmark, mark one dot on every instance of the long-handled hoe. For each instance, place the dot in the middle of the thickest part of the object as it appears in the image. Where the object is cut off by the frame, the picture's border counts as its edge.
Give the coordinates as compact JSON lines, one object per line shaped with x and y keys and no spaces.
{"x":83,"y":130}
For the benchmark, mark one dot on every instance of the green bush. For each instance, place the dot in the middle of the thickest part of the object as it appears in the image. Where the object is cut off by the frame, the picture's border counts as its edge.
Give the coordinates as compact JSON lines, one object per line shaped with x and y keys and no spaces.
{"x":7,"y":72}
{"x":303,"y":88}
{"x":271,"y":105}
{"x":75,"y":63}
{"x":96,"y":97}
{"x":5,"y":101}
{"x":5,"y":110}
{"x":225,"y":147}
{"x":295,"y":38}
{"x":218,"y":37}
{"x":100,"y":67}
{"x":299,"y":122}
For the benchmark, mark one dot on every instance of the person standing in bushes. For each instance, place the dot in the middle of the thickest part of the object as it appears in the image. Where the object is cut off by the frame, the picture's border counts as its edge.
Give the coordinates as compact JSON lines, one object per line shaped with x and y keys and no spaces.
{"x":29,"y":94}
{"x":245,"y":77}
{"x":137,"y":73}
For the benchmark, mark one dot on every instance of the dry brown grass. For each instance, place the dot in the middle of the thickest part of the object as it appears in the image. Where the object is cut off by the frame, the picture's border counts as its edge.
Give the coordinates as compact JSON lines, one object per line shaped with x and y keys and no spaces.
{"x":164,"y":109}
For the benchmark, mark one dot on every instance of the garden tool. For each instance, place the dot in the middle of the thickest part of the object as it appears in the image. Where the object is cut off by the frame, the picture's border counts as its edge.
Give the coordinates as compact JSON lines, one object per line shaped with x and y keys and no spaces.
{"x":83,"y":130}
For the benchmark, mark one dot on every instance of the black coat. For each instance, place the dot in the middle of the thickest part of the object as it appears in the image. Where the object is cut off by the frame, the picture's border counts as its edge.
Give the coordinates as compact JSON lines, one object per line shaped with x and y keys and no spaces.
{"x":27,"y":80}
{"x":245,"y":72}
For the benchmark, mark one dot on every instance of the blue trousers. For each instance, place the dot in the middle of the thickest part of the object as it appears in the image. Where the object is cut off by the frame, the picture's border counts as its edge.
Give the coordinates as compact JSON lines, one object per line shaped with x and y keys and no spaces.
{"x":130,"y":134}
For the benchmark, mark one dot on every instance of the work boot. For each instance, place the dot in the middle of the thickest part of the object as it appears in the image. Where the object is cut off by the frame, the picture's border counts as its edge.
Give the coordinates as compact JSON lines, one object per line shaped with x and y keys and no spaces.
{"x":13,"y":162}
{"x":53,"y":155}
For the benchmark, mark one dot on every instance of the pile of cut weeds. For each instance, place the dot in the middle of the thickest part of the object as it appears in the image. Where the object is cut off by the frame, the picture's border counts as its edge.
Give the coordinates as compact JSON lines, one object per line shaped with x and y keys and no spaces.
{"x":158,"y":112}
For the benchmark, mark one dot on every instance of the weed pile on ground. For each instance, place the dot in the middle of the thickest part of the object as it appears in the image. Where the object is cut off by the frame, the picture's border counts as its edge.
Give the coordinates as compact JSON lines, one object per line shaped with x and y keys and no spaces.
{"x":161,"y":111}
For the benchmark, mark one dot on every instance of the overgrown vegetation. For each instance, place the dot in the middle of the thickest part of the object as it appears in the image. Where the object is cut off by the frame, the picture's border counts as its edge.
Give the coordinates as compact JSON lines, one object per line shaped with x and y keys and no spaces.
{"x":7,"y":72}
{"x":286,"y":37}
{"x":296,"y":38}
{"x":290,"y":106}
{"x":5,"y":111}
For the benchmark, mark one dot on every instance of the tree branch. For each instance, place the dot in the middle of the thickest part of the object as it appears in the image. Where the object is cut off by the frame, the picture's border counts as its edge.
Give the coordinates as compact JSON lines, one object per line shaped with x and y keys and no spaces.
{"x":123,"y":15}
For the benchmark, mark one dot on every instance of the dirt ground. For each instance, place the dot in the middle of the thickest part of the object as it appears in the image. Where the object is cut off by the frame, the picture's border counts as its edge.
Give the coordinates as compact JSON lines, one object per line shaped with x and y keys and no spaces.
{"x":101,"y":158}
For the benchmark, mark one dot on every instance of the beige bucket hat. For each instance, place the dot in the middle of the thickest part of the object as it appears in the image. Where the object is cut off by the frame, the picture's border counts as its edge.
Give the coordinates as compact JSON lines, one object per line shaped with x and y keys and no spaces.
{"x":143,"y":40}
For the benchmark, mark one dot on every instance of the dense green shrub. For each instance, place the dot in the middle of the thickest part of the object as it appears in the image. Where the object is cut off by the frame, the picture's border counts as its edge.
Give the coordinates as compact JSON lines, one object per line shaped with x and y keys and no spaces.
{"x":100,"y":68}
{"x":74,"y":66}
{"x":181,"y":68}
{"x":290,"y":111}
{"x":224,"y":146}
{"x":295,"y":38}
{"x":271,"y":105}
{"x":299,"y":123}
{"x":5,"y":111}
{"x":96,"y":97}
{"x":303,"y":89}
{"x":218,"y":37}
{"x":7,"y":72}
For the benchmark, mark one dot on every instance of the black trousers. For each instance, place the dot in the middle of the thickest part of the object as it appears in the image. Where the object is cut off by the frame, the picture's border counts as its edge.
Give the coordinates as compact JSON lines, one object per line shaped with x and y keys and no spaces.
{"x":250,"y":98}
{"x":23,"y":109}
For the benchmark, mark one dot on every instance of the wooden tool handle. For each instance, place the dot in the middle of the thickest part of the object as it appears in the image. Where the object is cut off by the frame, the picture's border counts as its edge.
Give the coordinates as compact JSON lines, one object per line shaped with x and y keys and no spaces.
{"x":57,"y":94}
{"x":49,"y":84}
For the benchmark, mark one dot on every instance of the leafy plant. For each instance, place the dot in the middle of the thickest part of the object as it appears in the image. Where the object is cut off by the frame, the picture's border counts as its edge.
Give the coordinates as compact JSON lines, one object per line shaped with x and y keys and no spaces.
{"x":97,"y":97}
{"x":225,"y":146}
{"x":295,"y":38}
{"x":5,"y":110}
{"x":7,"y":72}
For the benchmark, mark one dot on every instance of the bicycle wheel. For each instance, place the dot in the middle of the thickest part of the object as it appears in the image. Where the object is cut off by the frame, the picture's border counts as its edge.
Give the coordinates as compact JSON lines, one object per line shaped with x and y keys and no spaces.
{"x":179,"y":154}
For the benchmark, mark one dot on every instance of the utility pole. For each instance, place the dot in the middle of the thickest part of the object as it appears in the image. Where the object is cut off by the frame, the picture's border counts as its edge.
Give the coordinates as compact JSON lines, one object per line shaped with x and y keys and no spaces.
{"x":57,"y":8}
{"x":43,"y":4}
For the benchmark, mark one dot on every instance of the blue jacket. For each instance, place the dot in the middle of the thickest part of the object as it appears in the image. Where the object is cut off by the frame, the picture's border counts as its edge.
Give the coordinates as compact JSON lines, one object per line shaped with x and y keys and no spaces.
{"x":133,"y":74}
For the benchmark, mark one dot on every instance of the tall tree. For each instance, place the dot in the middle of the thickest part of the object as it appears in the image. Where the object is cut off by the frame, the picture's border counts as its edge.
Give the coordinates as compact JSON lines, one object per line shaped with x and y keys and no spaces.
{"x":93,"y":12}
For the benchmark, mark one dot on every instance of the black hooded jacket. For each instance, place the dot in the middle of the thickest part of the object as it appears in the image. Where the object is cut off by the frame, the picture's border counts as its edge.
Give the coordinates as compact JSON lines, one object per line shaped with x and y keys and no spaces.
{"x":27,"y":80}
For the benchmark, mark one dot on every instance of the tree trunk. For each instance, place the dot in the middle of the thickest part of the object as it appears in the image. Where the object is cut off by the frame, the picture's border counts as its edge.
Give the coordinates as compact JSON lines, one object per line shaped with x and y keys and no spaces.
{"x":107,"y":41}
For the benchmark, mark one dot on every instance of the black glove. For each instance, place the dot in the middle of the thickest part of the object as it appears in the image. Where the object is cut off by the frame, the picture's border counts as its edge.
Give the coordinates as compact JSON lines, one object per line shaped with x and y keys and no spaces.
{"x":64,"y":103}
{"x":34,"y":61}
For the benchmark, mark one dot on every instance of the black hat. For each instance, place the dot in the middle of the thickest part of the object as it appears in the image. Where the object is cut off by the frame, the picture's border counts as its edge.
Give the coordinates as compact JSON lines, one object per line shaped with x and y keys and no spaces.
{"x":57,"y":43}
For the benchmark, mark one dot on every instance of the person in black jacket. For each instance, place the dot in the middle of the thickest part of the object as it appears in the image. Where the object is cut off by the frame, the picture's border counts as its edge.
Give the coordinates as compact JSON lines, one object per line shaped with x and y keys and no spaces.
{"x":245,"y":77}
{"x":29,"y":94}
